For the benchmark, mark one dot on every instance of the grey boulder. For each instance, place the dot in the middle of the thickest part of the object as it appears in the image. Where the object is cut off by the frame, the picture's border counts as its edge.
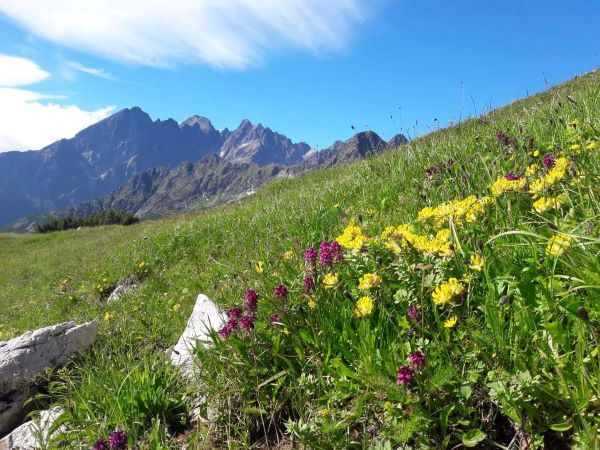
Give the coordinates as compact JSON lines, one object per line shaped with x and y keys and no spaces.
{"x":24,"y":358}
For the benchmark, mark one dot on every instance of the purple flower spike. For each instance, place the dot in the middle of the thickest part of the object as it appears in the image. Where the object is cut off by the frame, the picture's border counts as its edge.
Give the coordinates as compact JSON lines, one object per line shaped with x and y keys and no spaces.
{"x":228,"y":328}
{"x":281,"y":291}
{"x":251,"y":300}
{"x":309,"y":284}
{"x":549,"y":161}
{"x":414,"y":312}
{"x":417,"y":359}
{"x":234,"y":313}
{"x":404,"y":375}
{"x":512,"y":176}
{"x":117,"y":440}
{"x":247,"y":322}
{"x":310,"y":256}
{"x":100,"y":444}
{"x":275,"y":319}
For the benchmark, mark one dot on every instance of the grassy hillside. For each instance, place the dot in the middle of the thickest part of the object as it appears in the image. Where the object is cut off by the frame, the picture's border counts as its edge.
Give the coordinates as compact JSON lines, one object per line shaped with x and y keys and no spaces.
{"x":510,"y":349}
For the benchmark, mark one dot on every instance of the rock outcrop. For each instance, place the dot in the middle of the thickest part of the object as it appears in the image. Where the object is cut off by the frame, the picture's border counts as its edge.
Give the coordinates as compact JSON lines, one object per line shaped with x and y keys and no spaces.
{"x":24,"y":358}
{"x":34,"y":434}
{"x":205,"y":318}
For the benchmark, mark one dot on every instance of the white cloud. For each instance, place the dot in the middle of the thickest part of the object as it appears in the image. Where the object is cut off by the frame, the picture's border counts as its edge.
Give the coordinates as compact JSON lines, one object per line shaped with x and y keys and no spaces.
{"x":90,"y":70}
{"x":222,"y":33}
{"x":28,"y":120}
{"x":15,"y":71}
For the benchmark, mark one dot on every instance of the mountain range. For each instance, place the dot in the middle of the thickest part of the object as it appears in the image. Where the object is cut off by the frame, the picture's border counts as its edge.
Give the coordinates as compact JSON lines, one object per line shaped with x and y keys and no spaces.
{"x":152,"y":168}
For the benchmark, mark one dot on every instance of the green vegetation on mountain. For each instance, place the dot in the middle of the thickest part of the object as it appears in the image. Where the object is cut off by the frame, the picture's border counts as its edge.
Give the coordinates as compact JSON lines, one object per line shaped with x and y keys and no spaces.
{"x":460,"y":311}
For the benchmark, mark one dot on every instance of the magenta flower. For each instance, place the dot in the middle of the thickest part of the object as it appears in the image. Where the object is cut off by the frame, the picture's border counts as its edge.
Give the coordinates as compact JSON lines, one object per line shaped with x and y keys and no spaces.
{"x":100,"y":444}
{"x":417,"y":359}
{"x":234,"y":314}
{"x":251,"y":300}
{"x":325,"y":254}
{"x":512,"y":176}
{"x":275,"y":318}
{"x":281,"y":291}
{"x":404,"y":374}
{"x":247,"y":322}
{"x":336,"y":249}
{"x":414,"y":312}
{"x":310,"y":256}
{"x":309,"y":284}
{"x":549,"y":161}
{"x":228,"y":328}
{"x":117,"y":440}
{"x":505,"y":140}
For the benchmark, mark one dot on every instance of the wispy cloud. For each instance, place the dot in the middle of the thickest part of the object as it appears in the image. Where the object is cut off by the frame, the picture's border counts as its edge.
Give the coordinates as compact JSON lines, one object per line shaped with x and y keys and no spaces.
{"x":28,"y":119}
{"x":101,"y":73}
{"x":222,"y":33}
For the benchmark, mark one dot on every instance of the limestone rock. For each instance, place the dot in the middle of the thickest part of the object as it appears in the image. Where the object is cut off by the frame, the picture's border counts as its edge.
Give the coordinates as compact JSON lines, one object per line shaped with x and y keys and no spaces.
{"x":205,"y":317}
{"x":128,"y":285}
{"x":24,"y":358}
{"x":33,"y":434}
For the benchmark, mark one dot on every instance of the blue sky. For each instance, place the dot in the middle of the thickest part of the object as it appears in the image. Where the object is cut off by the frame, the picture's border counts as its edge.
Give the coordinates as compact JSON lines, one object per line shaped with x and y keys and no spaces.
{"x":306,"y":70}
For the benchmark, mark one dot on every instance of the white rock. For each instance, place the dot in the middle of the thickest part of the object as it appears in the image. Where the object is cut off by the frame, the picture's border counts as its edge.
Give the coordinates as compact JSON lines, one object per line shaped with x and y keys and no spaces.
{"x":34,"y":434}
{"x":24,"y":358}
{"x":128,"y":285}
{"x":205,"y":317}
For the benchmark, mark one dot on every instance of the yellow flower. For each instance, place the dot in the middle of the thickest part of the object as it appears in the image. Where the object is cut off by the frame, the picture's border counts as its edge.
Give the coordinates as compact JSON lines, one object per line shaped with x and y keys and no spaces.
{"x":536,"y":153}
{"x":503,"y":185}
{"x":142,"y":264}
{"x":575,"y":147}
{"x":330,"y":280}
{"x":574,"y":123}
{"x":288,"y":255}
{"x":324,"y":412}
{"x":532,"y":169}
{"x":593,"y":145}
{"x":451,"y":322}
{"x":388,"y":406}
{"x":445,"y":292}
{"x":352,"y":237}
{"x":558,"y":245}
{"x":109,"y":315}
{"x":476,"y":262}
{"x":176,"y":307}
{"x":553,"y":176}
{"x":368,"y":281}
{"x":259,"y":266}
{"x":545,"y":203}
{"x":364,"y":307}
{"x":311,"y":303}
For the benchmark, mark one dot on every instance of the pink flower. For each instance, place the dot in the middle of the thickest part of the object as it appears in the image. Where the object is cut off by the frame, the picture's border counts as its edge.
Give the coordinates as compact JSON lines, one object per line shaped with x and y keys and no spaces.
{"x":275,"y":319}
{"x":247,"y":322}
{"x":281,"y":291}
{"x":512,"y":177}
{"x":251,"y":300}
{"x":234,"y":313}
{"x":404,"y":374}
{"x":228,"y":328}
{"x":310,"y":256}
{"x":417,"y":359}
{"x":414,"y":312}
{"x":309,"y":284}
{"x":549,"y":161}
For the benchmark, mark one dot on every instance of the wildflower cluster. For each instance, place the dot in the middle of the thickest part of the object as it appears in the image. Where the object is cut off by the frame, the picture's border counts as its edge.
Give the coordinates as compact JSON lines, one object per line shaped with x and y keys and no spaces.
{"x":457,"y":211}
{"x":117,"y":440}
{"x":242,"y":318}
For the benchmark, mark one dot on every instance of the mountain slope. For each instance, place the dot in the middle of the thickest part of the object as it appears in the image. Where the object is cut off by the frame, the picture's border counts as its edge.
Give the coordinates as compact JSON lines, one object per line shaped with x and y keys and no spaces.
{"x":105,"y":155}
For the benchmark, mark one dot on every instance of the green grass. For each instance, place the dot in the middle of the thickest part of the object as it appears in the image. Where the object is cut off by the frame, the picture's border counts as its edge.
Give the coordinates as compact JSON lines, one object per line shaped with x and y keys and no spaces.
{"x":530,"y":363}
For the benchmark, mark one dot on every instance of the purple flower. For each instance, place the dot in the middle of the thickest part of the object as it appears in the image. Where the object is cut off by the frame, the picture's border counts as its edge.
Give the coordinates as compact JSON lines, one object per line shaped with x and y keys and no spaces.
{"x":404,"y":375}
{"x":281,"y":291}
{"x":505,"y":140}
{"x":417,"y":359}
{"x":247,"y":322}
{"x":431,"y":170}
{"x":310,"y":256}
{"x":234,"y":314}
{"x":549,"y":161}
{"x":251,"y":300}
{"x":228,"y":328}
{"x":100,"y":444}
{"x":117,"y":440}
{"x":414,"y":312}
{"x":309,"y":284}
{"x":336,"y":249}
{"x":512,"y":176}
{"x":325,"y":254}
{"x":275,"y":318}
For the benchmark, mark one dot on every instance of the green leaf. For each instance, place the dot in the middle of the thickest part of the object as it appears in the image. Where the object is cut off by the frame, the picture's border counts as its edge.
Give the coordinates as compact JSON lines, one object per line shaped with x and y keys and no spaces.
{"x":466,"y":392}
{"x":305,"y":335}
{"x":561,"y":427}
{"x":473,"y":437}
{"x":444,"y":414}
